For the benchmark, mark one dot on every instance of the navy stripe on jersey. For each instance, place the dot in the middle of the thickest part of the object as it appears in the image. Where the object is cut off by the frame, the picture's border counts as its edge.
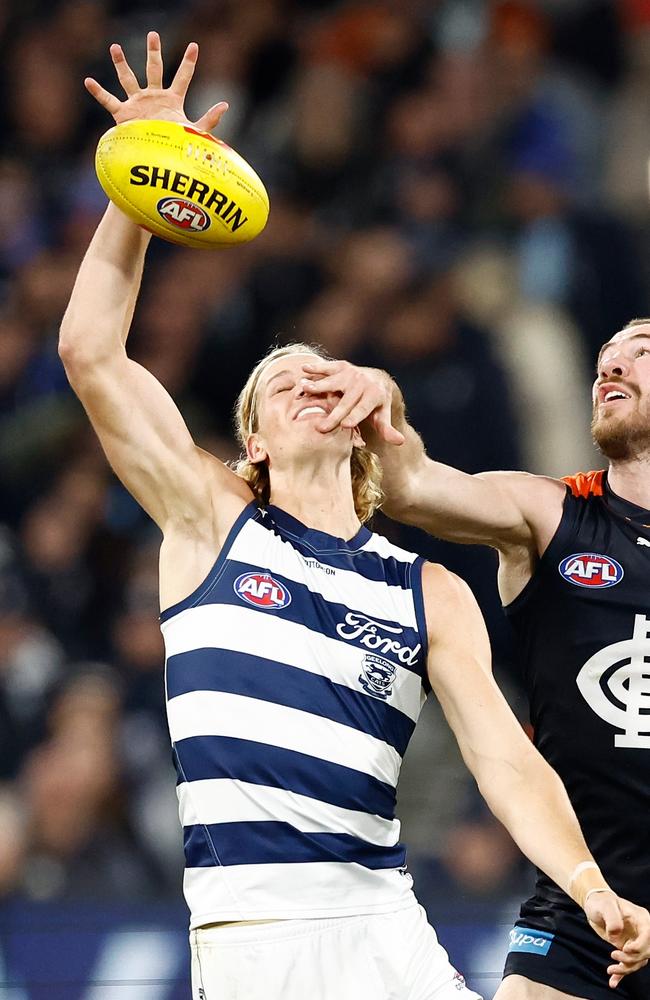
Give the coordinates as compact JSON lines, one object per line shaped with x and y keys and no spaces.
{"x":269,"y":680}
{"x":316,"y":613}
{"x":251,"y":510}
{"x":420,"y":613}
{"x":369,"y":565}
{"x":273,"y":842}
{"x":199,"y":758}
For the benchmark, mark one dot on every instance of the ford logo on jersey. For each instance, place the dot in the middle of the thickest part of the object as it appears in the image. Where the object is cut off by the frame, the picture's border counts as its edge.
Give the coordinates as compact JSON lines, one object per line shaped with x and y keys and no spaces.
{"x":262,"y":591}
{"x":589,"y":569}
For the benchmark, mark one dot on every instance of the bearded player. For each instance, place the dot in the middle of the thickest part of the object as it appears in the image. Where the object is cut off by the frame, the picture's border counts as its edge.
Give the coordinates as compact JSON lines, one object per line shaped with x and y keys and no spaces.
{"x":574,"y":579}
{"x":300,"y":648}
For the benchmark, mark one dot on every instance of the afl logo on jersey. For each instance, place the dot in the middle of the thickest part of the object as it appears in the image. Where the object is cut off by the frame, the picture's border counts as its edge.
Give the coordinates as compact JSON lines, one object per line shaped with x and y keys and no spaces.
{"x":262,"y":591}
{"x":589,"y":569}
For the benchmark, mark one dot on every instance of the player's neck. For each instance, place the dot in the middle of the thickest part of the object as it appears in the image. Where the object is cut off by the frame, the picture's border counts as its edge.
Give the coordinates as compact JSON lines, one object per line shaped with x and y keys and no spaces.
{"x":319,"y":498}
{"x":630,"y":480}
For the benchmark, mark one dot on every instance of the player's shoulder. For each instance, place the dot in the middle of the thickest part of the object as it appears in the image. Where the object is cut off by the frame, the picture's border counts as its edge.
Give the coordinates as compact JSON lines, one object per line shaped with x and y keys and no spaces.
{"x":586,"y":484}
{"x":441,"y":586}
{"x":539,"y":501}
{"x":450,"y":606}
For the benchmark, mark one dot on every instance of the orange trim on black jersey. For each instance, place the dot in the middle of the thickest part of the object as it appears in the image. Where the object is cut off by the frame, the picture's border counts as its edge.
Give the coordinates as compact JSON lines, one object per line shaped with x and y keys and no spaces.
{"x":586,"y":484}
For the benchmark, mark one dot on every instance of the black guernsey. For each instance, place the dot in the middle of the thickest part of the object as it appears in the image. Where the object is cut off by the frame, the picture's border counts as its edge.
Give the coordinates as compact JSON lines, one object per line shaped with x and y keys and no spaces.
{"x":582,"y":628}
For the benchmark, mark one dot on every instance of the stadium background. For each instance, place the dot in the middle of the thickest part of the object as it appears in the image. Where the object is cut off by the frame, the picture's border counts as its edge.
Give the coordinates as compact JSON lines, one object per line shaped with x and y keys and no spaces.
{"x":459,"y":194}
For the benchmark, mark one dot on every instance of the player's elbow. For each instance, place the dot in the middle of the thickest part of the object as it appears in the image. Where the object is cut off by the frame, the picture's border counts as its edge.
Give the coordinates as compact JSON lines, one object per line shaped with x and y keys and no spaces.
{"x":79,"y":352}
{"x":68,"y":349}
{"x":75,"y":359}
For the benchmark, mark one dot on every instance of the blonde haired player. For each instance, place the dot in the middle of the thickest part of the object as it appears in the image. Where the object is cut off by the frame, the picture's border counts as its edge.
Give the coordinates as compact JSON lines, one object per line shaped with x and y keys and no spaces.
{"x":300,"y":648}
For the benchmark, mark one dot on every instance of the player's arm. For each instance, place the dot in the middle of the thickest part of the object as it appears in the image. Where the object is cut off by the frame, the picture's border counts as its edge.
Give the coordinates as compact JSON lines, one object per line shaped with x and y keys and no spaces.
{"x":496,"y":508}
{"x":140,"y":428}
{"x":139,"y":425}
{"x":521,"y":789}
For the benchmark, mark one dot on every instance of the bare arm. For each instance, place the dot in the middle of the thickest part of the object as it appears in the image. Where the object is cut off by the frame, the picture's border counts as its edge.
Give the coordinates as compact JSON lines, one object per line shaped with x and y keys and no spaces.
{"x":521,"y":789}
{"x":502,"y":509}
{"x":140,"y":428}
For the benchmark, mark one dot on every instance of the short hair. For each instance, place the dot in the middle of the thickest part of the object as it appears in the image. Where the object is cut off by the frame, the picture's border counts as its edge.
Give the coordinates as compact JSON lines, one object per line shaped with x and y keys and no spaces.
{"x":365,"y":468}
{"x":630,"y":325}
{"x":640,"y":321}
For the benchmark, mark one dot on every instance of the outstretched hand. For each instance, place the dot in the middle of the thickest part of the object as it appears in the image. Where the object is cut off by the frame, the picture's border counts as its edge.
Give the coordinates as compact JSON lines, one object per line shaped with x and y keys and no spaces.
{"x":365,"y":395}
{"x":626,"y":926}
{"x":154,"y":100}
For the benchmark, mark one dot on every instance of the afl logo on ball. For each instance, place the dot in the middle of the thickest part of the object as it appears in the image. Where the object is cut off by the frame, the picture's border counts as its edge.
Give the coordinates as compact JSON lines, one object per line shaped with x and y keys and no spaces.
{"x":589,"y":569}
{"x":183,"y":214}
{"x":262,"y":591}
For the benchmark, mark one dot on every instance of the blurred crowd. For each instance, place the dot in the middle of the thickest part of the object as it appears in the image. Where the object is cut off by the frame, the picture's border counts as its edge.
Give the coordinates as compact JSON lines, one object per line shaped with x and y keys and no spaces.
{"x":458,"y":194}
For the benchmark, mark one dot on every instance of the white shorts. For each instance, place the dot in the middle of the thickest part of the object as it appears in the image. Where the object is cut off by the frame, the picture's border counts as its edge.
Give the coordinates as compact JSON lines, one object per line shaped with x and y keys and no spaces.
{"x":387,"y":956}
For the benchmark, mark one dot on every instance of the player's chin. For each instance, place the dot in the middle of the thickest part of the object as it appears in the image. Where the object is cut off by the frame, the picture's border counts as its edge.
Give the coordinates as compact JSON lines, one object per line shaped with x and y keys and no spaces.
{"x":316,"y":427}
{"x":610,"y":435}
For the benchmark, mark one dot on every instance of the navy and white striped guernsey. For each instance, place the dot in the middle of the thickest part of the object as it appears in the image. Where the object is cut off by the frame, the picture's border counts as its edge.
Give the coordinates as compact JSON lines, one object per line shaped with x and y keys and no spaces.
{"x":295,"y":675}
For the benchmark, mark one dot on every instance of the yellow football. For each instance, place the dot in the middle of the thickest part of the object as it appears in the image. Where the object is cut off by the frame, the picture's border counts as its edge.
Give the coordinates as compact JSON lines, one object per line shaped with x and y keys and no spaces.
{"x":181,"y":184}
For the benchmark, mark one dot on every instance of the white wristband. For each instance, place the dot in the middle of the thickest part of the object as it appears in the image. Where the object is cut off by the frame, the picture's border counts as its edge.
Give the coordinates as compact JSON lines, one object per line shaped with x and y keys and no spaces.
{"x":579,"y":869}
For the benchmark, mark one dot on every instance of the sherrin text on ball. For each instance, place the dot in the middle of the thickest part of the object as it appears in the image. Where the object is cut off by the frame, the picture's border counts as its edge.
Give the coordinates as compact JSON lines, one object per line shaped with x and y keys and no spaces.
{"x":181,"y":184}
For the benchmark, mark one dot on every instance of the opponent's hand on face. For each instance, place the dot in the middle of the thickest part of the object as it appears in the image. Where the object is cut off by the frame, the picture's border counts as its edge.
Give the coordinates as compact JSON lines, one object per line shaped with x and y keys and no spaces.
{"x":626,"y":926}
{"x":366,"y":394}
{"x":154,"y":100}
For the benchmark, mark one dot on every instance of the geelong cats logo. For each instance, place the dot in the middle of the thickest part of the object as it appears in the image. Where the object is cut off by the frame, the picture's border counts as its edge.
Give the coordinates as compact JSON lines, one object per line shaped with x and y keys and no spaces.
{"x":377,"y":676}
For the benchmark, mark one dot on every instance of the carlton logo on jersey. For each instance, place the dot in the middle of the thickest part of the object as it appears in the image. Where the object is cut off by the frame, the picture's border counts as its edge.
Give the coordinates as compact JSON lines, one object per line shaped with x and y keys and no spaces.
{"x":590,"y":569}
{"x":262,"y":591}
{"x":615,"y":683}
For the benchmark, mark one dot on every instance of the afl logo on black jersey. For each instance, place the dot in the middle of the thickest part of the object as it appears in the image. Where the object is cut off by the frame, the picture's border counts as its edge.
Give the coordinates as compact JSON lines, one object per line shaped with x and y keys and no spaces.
{"x":590,"y":569}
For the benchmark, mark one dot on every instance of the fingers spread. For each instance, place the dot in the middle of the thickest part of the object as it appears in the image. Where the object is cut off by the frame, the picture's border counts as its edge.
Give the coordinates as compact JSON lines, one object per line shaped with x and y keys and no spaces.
{"x":339,"y":414}
{"x":125,"y":74}
{"x":185,"y":72}
{"x":154,"y":60}
{"x":212,"y":117}
{"x":108,"y":101}
{"x":321,"y":383}
{"x":356,"y":414}
{"x":321,"y":367}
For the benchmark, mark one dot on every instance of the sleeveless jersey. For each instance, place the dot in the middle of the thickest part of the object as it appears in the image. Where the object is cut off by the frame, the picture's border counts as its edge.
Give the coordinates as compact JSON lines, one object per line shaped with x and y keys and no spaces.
{"x":295,"y":675}
{"x":583,"y":634}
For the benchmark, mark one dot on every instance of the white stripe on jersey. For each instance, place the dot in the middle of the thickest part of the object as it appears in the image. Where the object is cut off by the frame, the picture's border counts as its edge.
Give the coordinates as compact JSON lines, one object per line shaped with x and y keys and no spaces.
{"x":247,"y":892}
{"x":215,"y":713}
{"x":256,"y":545}
{"x":386,"y":549}
{"x":226,"y":800}
{"x":246,"y":630}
